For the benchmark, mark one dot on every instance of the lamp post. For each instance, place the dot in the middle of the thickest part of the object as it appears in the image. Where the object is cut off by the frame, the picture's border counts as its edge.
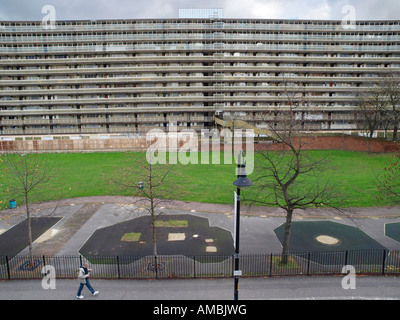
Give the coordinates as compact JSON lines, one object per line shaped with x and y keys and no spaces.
{"x":241,"y":182}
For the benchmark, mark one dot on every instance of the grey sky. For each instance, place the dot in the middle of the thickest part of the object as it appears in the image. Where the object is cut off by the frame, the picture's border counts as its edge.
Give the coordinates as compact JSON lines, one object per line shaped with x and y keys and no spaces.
{"x":260,"y":9}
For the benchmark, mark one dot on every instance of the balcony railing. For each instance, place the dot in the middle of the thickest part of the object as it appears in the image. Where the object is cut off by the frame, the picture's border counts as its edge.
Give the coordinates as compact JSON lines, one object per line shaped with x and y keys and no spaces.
{"x":73,"y":48}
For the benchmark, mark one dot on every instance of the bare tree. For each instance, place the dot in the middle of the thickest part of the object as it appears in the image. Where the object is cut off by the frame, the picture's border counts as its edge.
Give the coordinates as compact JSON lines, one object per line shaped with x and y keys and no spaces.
{"x":151,"y":185}
{"x":388,"y":181}
{"x":25,"y":177}
{"x":289,"y":177}
{"x":371,"y":110}
{"x":379,"y":106}
{"x":390,"y":86}
{"x":234,"y":122}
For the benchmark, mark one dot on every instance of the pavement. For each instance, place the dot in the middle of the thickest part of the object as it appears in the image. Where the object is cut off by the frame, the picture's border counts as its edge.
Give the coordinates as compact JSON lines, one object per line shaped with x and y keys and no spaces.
{"x":369,"y":212}
{"x":275,"y":288}
{"x":82,"y":216}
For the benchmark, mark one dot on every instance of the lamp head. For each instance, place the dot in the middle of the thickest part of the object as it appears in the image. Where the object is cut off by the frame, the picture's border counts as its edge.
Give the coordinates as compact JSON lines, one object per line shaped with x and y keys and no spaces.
{"x":242,"y":181}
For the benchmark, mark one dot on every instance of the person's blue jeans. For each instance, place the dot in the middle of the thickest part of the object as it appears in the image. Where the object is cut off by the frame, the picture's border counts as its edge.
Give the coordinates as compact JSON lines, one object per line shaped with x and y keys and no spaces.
{"x":87,"y":283}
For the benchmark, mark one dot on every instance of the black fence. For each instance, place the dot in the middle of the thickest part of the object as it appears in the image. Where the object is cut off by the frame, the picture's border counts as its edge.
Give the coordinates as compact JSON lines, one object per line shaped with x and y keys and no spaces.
{"x":377,"y":262}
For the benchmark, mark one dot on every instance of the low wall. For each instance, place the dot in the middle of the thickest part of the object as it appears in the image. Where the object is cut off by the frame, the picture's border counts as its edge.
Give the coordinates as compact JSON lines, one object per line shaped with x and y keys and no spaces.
{"x":351,"y":143}
{"x":74,"y":145}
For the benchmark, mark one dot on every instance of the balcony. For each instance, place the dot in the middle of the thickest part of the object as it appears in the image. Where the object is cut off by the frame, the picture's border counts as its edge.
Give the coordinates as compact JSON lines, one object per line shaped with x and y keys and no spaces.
{"x":143,"y":47}
{"x":36,"y":121}
{"x":85,"y":120}
{"x":37,"y":131}
{"x":191,"y":59}
{"x":16,"y":131}
{"x":120,"y":129}
{"x":65,"y":130}
{"x":122,"y":119}
{"x":71,"y":120}
{"x":6,"y":122}
{"x":94,"y":130}
{"x":176,"y":118}
{"x":11,"y":122}
{"x":150,"y":119}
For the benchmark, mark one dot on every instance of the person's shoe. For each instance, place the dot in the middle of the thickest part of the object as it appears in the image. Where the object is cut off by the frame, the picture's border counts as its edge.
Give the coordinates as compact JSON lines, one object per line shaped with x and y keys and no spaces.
{"x":79,"y":297}
{"x":95,"y":293}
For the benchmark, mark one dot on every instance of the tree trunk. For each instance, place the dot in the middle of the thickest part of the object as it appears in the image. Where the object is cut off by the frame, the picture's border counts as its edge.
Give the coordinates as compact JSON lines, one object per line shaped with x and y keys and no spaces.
{"x":286,"y":236}
{"x":28,"y":219}
{"x":153,"y":227}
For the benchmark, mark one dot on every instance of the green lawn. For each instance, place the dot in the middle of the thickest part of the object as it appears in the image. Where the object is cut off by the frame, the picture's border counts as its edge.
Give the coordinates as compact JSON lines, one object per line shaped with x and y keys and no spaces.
{"x":129,"y":237}
{"x":171,"y":223}
{"x":352,"y":173}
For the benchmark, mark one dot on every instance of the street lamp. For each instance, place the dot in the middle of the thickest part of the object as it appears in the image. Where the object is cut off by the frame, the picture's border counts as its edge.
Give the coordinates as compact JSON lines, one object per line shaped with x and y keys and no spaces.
{"x":241,"y":182}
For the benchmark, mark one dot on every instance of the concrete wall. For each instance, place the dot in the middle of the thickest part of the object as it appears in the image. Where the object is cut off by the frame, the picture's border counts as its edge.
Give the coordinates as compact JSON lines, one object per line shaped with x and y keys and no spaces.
{"x":141,"y":144}
{"x":351,"y":143}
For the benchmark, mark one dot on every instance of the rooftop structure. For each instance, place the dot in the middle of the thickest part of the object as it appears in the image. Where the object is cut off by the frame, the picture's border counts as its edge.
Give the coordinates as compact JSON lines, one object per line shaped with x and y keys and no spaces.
{"x":210,"y":13}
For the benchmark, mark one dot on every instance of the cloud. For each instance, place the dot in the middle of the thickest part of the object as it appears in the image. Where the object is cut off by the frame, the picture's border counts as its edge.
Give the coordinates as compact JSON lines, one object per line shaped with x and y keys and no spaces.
{"x":251,"y":9}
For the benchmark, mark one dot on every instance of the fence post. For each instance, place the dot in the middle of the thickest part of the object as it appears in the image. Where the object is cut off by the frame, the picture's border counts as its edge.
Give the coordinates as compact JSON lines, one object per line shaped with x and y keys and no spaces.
{"x":308,"y":263}
{"x":233,"y":264}
{"x":8,"y":268}
{"x":345,"y":257}
{"x":119,"y":273}
{"x":156,"y":266}
{"x":44,"y":260}
{"x":383,"y":261}
{"x":270,"y":265}
{"x":194,"y":267}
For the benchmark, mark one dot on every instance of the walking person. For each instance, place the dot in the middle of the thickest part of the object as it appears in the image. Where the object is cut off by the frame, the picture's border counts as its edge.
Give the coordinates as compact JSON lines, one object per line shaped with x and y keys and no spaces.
{"x":83,"y":278}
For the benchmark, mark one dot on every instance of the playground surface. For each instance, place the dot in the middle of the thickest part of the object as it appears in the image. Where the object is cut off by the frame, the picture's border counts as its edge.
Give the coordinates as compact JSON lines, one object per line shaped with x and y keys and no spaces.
{"x":79,"y":220}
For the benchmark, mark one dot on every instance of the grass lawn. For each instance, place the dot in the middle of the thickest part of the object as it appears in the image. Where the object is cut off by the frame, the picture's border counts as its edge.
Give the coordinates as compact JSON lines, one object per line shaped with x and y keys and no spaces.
{"x":171,"y":223}
{"x":353,"y":173}
{"x":133,"y":236}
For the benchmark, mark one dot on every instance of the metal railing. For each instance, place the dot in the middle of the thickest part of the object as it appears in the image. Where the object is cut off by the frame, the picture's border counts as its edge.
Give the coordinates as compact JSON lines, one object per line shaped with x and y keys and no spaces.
{"x":376,"y":262}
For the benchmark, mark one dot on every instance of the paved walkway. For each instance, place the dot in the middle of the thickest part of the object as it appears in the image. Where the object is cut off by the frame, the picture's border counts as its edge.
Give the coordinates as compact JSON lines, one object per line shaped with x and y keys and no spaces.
{"x":370,"y":212}
{"x":82,"y":216}
{"x":306,"y":287}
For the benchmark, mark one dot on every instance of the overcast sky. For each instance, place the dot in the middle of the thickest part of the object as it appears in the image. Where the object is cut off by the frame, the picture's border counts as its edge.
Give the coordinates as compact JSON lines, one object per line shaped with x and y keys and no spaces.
{"x":260,"y":9}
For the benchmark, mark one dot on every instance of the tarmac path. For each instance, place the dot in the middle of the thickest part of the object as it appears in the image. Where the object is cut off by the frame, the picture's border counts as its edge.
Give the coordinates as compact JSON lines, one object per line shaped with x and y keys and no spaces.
{"x":82,"y":216}
{"x":275,"y":288}
{"x":369,"y":212}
